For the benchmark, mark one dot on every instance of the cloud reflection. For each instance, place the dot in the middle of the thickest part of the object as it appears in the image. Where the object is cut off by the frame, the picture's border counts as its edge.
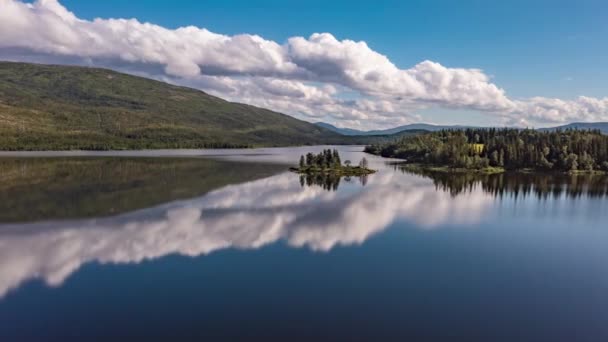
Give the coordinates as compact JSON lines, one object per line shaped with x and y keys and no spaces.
{"x":245,"y":216}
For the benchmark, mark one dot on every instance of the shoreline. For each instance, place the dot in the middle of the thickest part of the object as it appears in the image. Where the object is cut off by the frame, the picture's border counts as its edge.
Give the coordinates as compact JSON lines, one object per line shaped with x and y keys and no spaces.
{"x":187,"y":152}
{"x":416,"y":167}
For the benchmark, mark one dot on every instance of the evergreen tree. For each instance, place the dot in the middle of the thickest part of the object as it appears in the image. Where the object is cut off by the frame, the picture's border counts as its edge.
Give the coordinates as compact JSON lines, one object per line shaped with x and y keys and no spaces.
{"x":336,"y":158}
{"x":509,"y":148}
{"x":310,"y":159}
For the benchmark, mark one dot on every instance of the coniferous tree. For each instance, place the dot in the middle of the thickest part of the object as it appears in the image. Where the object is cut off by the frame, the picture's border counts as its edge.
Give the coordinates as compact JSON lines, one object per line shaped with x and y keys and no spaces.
{"x":336,"y":158}
{"x":509,"y":148}
{"x":310,"y":159}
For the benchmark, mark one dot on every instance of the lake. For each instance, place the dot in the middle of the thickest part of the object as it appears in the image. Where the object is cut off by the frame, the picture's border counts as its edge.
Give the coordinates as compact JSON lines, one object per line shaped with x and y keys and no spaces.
{"x":228,"y":245}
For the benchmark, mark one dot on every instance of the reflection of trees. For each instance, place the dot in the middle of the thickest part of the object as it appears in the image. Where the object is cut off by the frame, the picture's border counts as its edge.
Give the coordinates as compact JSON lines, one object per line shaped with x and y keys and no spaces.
{"x":521,"y":184}
{"x":328,"y":181}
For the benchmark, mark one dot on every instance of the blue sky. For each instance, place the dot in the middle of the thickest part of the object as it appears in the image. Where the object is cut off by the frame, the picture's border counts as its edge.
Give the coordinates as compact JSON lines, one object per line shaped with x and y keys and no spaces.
{"x":551,"y":49}
{"x":532,"y":48}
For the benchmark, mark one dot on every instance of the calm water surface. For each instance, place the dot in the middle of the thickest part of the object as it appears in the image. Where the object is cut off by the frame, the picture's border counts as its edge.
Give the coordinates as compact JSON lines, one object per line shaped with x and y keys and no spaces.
{"x":227,"y":245}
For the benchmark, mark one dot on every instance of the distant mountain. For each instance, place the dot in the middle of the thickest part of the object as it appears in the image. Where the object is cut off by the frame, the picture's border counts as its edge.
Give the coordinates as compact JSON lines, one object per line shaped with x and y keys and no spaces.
{"x":390,"y":131}
{"x":419,"y":126}
{"x":46,"y":107}
{"x":343,"y":131}
{"x":602,"y":126}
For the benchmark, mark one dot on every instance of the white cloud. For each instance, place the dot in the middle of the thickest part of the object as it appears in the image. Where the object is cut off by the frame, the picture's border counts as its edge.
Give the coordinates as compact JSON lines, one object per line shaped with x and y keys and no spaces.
{"x":306,"y":77}
{"x":542,"y":109}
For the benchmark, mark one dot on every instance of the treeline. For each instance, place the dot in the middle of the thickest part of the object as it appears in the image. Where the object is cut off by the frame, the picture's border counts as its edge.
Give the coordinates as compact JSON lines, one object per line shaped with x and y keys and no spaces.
{"x":106,"y":143}
{"x":567,"y":150}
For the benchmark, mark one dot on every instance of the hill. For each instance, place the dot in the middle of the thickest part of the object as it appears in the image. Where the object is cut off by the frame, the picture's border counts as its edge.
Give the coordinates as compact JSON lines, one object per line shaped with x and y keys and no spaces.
{"x":389,"y":131}
{"x":601,"y":126}
{"x":44,"y":107}
{"x":343,"y":131}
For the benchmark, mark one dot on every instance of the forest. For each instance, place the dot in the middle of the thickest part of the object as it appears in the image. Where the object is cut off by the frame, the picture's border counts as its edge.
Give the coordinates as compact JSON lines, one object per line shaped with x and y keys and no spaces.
{"x":503,"y":149}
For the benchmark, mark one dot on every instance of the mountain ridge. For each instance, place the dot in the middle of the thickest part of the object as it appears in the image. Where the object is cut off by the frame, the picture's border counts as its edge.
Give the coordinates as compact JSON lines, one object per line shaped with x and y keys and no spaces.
{"x":390,"y":131}
{"x":602,"y":126}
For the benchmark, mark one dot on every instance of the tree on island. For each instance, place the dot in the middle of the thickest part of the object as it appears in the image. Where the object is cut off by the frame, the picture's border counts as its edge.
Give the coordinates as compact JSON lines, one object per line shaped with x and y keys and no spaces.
{"x":325,"y":160}
{"x":336,"y":157}
{"x":310,"y":159}
{"x":329,"y":161}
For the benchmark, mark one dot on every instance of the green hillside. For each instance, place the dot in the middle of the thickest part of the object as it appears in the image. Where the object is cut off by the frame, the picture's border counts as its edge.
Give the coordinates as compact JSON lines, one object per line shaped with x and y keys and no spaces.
{"x":44,"y":107}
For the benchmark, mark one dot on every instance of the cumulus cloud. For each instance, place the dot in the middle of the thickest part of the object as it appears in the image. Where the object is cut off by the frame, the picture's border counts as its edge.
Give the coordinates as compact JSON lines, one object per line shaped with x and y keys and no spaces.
{"x":307,"y":77}
{"x":548,"y":110}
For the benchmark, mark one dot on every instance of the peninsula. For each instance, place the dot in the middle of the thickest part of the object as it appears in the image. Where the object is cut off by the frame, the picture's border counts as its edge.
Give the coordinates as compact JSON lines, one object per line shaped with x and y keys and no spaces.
{"x":492,"y":150}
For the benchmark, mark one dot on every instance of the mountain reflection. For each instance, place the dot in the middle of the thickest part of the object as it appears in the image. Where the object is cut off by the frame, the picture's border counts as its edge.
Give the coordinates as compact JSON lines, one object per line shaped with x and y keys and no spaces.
{"x":244,"y":216}
{"x":542,"y":186}
{"x":35,"y":189}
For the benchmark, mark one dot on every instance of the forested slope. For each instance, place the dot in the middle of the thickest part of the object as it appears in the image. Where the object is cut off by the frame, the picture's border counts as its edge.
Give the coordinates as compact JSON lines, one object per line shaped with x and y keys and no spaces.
{"x":46,"y":107}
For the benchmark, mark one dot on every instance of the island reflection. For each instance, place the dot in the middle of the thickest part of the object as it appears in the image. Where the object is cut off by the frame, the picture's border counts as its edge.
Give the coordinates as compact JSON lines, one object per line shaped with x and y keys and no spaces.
{"x":330,"y":182}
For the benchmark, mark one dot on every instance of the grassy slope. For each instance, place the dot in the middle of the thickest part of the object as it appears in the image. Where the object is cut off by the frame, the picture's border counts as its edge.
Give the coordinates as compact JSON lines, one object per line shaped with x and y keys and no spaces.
{"x":66,"y":107}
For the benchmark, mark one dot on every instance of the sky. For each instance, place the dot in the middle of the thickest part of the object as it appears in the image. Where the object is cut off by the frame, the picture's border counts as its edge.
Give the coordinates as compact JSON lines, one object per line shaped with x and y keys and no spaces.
{"x":359,"y":64}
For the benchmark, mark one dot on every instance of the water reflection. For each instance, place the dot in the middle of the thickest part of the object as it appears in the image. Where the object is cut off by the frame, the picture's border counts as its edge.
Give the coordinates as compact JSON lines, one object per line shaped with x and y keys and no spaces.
{"x":60,"y":188}
{"x":245,"y":216}
{"x":268,"y":206}
{"x":542,"y":186}
{"x":329,"y":182}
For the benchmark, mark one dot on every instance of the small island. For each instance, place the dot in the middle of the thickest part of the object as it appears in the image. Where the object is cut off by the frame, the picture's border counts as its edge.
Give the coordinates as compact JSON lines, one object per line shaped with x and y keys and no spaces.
{"x":493,"y":150}
{"x":329,"y":162}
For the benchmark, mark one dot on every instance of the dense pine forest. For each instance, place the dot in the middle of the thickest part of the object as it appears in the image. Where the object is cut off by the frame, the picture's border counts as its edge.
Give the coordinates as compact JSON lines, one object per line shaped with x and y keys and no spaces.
{"x":511,"y":149}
